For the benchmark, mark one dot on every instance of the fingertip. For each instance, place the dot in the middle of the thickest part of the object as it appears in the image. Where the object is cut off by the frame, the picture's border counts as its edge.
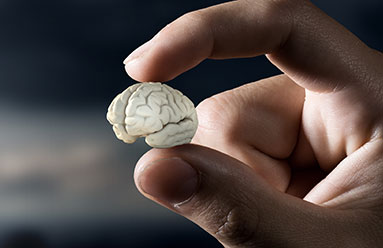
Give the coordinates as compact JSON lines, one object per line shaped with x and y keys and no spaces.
{"x":136,"y":64}
{"x":144,"y":160}
{"x":178,"y":47}
{"x":146,"y":69}
{"x":132,"y":69}
{"x":169,"y":181}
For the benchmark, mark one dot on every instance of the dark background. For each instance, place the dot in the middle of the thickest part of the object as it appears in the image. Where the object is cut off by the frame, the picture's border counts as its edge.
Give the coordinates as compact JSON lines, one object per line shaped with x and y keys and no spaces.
{"x":65,"y":180}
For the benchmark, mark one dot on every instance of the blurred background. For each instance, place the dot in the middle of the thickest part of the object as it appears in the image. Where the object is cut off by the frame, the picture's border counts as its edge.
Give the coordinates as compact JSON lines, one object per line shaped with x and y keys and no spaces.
{"x":65,"y":180}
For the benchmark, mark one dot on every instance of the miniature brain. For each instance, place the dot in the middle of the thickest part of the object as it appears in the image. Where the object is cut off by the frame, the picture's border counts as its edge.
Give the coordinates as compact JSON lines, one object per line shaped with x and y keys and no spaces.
{"x":153,"y":110}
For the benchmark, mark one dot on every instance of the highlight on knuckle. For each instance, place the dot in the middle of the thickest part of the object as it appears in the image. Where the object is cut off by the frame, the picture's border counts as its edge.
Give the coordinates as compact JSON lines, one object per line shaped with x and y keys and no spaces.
{"x":196,"y":18}
{"x":217,"y":119}
{"x":213,"y":112}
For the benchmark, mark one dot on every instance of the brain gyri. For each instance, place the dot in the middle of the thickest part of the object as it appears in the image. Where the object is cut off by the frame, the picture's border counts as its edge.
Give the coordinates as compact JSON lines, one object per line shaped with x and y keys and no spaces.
{"x":153,"y":110}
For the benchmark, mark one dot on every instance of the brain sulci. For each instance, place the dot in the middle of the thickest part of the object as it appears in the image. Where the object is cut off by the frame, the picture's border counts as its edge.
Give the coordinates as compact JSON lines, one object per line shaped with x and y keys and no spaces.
{"x":161,"y":114}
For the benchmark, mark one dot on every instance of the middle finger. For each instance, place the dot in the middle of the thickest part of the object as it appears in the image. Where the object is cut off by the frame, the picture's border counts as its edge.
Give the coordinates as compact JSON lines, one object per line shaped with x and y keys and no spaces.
{"x":257,"y":123}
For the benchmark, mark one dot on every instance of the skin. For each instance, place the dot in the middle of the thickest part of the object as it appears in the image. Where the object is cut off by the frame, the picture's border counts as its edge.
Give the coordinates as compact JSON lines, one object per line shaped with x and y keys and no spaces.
{"x":300,"y":161}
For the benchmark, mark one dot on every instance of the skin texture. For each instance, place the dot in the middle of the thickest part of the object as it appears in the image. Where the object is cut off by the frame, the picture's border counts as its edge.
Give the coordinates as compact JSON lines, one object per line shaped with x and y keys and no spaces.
{"x":300,"y":163}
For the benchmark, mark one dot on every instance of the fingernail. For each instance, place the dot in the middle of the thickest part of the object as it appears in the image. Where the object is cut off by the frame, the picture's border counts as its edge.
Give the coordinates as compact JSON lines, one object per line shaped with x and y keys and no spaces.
{"x":139,"y":52}
{"x":171,"y":180}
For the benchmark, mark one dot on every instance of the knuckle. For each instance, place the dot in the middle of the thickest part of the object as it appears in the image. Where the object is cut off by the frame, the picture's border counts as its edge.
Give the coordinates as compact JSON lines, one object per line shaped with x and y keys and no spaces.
{"x":211,"y":110}
{"x":197,"y":18}
{"x":238,"y":230}
{"x":196,"y":15}
{"x":216,"y":118}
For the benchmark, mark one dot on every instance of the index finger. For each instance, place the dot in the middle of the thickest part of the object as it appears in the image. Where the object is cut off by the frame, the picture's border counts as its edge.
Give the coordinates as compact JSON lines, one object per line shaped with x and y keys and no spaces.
{"x":306,"y":44}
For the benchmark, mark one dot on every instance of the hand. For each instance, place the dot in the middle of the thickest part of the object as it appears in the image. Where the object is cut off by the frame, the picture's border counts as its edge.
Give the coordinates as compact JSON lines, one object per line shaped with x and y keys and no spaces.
{"x":294,"y":160}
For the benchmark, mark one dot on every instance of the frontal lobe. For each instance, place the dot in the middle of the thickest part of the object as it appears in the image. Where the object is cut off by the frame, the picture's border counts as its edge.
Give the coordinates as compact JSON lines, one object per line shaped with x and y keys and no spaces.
{"x":153,"y":110}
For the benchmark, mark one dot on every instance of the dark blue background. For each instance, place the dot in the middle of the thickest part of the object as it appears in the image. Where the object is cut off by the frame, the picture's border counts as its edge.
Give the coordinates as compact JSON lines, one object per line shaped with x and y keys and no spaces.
{"x":68,"y":181}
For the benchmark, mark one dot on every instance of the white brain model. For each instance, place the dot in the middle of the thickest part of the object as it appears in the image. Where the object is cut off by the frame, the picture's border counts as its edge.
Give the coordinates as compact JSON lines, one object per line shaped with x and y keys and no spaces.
{"x":153,"y":110}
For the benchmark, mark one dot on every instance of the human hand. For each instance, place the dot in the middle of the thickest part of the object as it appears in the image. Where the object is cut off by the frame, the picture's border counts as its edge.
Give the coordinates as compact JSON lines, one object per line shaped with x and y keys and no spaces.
{"x":294,"y":160}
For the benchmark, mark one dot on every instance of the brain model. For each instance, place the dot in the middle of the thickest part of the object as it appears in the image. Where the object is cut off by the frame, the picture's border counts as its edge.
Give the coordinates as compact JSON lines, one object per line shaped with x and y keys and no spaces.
{"x":153,"y":110}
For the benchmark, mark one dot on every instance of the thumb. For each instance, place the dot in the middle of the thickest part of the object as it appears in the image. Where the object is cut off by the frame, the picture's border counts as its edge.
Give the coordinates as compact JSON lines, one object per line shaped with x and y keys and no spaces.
{"x":228,"y":200}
